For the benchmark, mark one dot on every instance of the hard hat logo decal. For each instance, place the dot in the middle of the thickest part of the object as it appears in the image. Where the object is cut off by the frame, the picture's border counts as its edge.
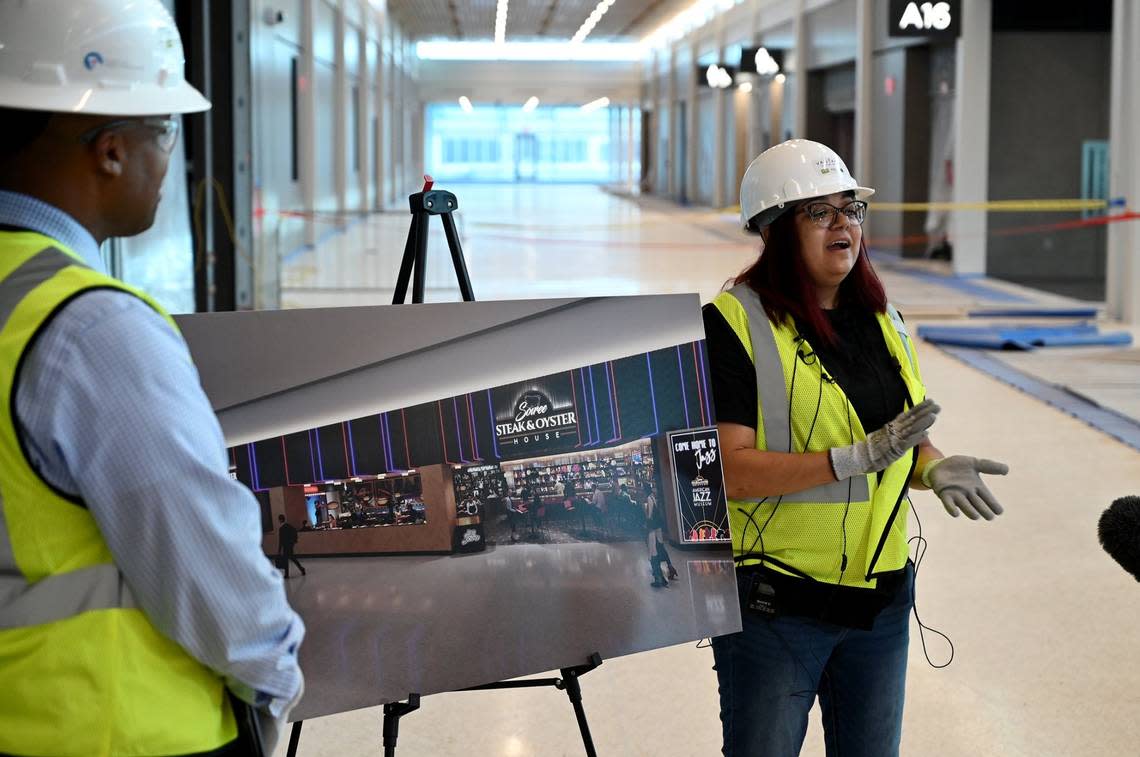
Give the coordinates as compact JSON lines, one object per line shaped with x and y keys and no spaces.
{"x":826,"y":165}
{"x":92,"y":59}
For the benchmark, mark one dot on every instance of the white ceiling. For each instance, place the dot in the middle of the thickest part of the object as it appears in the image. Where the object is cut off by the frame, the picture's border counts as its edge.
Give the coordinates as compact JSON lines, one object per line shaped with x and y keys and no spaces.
{"x":547,"y":20}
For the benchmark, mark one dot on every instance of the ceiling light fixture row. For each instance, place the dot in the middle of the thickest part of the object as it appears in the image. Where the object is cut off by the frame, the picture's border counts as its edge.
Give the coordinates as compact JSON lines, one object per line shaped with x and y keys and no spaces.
{"x":589,"y":24}
{"x":695,"y":16}
{"x":501,"y":22}
{"x":527,"y":51}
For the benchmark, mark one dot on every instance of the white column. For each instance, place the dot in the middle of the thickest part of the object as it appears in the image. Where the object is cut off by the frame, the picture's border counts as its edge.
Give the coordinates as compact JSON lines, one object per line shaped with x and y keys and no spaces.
{"x":341,"y":126}
{"x":692,"y":153}
{"x":617,"y":155}
{"x":307,"y":118}
{"x":630,"y":146}
{"x":390,"y":90}
{"x":801,"y":77}
{"x":655,"y":100}
{"x":365,"y":84}
{"x":754,"y":112}
{"x":380,"y":164}
{"x":751,"y":146}
{"x":1123,"y":265}
{"x":720,"y":100}
{"x":399,"y":170}
{"x":776,"y":111}
{"x":864,"y":86}
{"x":671,"y":126}
{"x":972,"y":138}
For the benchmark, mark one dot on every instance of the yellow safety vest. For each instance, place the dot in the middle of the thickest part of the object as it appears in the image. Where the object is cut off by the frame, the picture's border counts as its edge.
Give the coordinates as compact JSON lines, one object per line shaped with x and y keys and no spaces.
{"x":82,"y":669}
{"x":807,"y":533}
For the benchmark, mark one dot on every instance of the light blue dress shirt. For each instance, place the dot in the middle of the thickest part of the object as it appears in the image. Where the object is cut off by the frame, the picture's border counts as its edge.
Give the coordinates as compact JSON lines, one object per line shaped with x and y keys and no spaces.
{"x":111,"y":410}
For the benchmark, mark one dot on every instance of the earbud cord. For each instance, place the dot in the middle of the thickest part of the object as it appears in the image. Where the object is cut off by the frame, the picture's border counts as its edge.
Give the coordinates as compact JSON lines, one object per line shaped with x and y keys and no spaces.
{"x":921,"y":545}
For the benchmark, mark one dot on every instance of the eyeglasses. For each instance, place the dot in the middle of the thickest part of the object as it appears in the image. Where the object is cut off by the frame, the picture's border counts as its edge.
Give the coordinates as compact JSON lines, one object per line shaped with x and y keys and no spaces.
{"x":166,"y":129}
{"x":823,"y":214}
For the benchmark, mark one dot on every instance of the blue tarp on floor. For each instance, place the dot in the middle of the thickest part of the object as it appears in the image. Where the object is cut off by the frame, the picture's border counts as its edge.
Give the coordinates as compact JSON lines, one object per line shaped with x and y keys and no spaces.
{"x":1022,"y":337}
{"x":1035,"y":313}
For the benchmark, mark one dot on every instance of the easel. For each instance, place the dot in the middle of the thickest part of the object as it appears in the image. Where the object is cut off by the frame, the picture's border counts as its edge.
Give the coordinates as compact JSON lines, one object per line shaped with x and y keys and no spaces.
{"x":425,"y":204}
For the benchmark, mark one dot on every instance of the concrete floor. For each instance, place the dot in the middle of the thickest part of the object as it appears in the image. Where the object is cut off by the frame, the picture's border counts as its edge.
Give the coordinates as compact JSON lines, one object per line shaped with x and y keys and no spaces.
{"x":1043,"y":622}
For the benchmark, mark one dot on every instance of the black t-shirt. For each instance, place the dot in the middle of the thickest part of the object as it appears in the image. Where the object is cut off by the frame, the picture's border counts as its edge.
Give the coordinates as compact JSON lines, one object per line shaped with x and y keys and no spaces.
{"x":868,"y":374}
{"x":860,"y":363}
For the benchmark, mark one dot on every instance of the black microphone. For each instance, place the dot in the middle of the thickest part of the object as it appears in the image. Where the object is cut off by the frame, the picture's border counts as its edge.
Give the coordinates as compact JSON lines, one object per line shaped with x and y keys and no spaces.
{"x":1119,"y":533}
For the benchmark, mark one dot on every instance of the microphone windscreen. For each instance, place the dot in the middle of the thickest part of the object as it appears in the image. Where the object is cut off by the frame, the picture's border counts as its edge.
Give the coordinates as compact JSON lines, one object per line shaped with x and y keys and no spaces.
{"x":1119,"y":533}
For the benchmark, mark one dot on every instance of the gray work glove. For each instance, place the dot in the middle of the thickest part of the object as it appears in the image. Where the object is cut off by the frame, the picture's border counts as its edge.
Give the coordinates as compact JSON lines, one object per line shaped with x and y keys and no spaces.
{"x":883,"y":447}
{"x":958,"y":483}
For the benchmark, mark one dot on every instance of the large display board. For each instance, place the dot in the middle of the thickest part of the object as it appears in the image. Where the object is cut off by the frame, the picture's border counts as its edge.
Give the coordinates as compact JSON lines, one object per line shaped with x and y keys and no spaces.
{"x":479,"y":515}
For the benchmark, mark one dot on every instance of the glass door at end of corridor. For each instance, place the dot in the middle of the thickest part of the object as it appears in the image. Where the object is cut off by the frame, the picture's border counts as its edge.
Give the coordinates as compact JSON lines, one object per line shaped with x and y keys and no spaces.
{"x":526,"y":156}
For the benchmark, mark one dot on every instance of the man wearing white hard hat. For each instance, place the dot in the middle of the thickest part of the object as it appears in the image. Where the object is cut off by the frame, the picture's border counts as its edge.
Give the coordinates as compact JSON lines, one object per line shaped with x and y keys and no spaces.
{"x":138,"y":615}
{"x":823,"y":420}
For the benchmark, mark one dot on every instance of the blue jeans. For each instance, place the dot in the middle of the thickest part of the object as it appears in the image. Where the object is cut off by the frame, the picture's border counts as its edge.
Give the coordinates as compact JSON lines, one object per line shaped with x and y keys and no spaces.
{"x":770,"y":673}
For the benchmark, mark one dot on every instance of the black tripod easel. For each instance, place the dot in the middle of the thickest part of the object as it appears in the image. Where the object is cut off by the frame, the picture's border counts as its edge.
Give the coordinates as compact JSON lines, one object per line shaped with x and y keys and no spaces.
{"x":568,"y":683}
{"x":393,"y":711}
{"x":425,"y":204}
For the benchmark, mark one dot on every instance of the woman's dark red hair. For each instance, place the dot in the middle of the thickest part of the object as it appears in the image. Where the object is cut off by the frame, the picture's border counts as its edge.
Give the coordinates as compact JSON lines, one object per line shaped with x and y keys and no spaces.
{"x":781,"y":278}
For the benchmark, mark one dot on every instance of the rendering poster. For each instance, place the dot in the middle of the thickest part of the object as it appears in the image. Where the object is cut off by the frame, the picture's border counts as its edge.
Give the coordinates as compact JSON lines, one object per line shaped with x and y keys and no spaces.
{"x":702,"y":512}
{"x":476,"y":471}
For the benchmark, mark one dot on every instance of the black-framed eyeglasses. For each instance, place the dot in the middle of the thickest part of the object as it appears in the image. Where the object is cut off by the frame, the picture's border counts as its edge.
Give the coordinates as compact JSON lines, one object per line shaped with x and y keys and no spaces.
{"x":823,"y":214}
{"x":165,"y":128}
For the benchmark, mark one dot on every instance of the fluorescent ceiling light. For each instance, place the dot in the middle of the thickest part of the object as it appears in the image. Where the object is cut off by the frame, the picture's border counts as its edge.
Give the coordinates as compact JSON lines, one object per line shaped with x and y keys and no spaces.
{"x":745,"y":87}
{"x":465,"y":103}
{"x":592,"y":51}
{"x":501,"y":22}
{"x":593,"y":105}
{"x":589,"y":24}
{"x":780,"y":78}
{"x":530,"y":105}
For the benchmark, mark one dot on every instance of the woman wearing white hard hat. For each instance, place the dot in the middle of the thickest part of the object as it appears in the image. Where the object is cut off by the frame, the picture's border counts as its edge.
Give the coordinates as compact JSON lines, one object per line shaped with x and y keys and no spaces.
{"x":823,"y":421}
{"x":138,"y":614}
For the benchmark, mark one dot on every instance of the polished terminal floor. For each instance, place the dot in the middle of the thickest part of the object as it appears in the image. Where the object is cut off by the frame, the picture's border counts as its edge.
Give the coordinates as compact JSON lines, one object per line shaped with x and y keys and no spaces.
{"x":1042,"y":621}
{"x":374,"y":625}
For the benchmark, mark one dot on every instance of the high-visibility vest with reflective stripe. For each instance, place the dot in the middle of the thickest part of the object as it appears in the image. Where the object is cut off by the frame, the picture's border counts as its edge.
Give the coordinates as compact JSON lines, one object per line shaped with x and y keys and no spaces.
{"x":82,"y":669}
{"x":807,"y":533}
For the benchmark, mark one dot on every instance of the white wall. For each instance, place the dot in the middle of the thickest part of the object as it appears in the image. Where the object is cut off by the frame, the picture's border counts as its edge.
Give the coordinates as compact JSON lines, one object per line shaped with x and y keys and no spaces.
{"x":315,"y":156}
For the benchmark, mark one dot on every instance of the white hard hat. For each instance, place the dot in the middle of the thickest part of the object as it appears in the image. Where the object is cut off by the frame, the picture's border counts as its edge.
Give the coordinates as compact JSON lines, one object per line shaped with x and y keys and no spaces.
{"x":108,"y":57}
{"x":798,"y":169}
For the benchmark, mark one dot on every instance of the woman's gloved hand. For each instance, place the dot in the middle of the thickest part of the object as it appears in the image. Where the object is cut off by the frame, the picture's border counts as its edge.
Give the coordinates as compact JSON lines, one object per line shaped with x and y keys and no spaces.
{"x":958,"y":483}
{"x":883,"y":447}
